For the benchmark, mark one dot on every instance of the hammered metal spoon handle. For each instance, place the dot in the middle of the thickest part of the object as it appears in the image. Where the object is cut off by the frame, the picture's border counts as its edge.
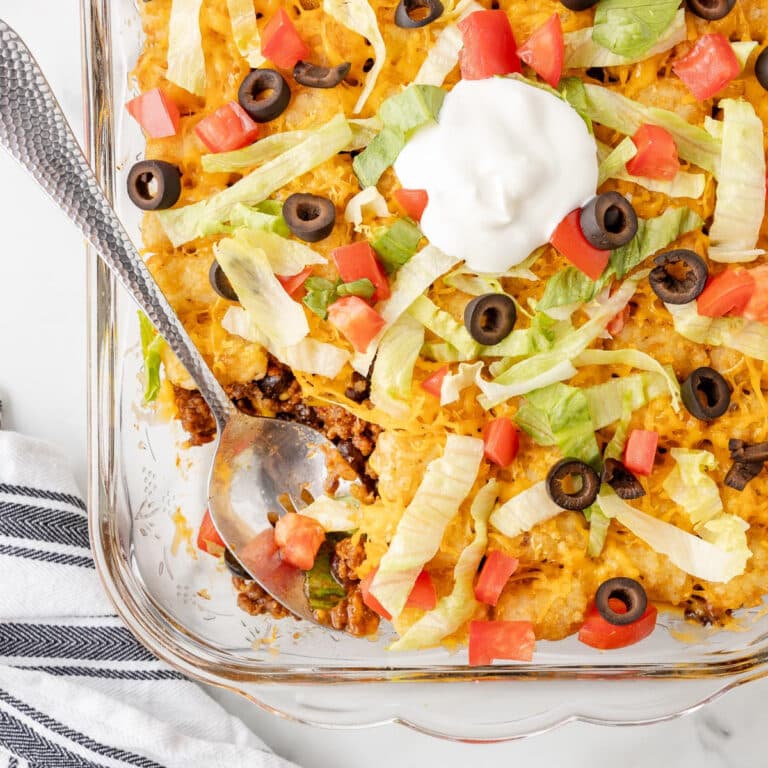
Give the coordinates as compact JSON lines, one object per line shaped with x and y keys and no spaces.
{"x":35,"y":132}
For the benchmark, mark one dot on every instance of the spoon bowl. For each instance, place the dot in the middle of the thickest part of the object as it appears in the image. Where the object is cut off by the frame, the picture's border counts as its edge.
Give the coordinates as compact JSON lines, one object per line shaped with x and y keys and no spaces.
{"x":259,"y":461}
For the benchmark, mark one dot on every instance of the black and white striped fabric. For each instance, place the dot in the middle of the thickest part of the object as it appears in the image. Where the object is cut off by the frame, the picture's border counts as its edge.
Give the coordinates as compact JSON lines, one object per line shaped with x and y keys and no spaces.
{"x":76,"y":689}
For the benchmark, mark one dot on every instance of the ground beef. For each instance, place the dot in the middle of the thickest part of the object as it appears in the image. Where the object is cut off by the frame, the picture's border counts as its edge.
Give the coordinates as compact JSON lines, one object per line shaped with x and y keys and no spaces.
{"x":348,"y":556}
{"x":252,"y":599}
{"x":195,"y":416}
{"x":354,"y":616}
{"x":279,"y":395}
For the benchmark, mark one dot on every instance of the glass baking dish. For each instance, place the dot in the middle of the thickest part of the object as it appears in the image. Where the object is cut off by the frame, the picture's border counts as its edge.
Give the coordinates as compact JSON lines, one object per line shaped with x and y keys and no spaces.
{"x":144,"y":486}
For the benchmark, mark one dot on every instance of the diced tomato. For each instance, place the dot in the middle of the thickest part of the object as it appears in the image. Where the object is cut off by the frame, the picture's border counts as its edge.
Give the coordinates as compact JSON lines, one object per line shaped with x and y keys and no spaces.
{"x":489,"y":640}
{"x":489,"y":46}
{"x":656,"y":156}
{"x":208,"y":539}
{"x":369,"y":599}
{"x":292,"y":283}
{"x":757,"y":307}
{"x":229,"y":127}
{"x":728,"y":293}
{"x":299,"y":538}
{"x":423,"y":595}
{"x":156,"y":113}
{"x":357,"y":261}
{"x":640,"y":451}
{"x":544,"y":51}
{"x":708,"y":67}
{"x":281,"y":43}
{"x":599,"y":633}
{"x":494,"y":576}
{"x":434,"y":383}
{"x":569,"y":240}
{"x":501,"y":441}
{"x":357,"y":320}
{"x":412,"y":201}
{"x":618,"y":321}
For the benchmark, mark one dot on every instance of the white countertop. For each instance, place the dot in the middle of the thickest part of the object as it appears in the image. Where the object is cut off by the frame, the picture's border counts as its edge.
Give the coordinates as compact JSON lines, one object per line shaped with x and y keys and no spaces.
{"x":43,"y":384}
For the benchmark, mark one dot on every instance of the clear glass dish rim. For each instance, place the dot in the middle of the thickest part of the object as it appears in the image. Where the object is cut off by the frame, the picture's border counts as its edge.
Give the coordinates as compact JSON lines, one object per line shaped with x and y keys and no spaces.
{"x":149,"y":622}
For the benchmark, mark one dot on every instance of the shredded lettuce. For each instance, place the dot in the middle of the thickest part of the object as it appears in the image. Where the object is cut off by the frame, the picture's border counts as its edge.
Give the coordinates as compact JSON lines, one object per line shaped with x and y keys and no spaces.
{"x":410,"y":282}
{"x":186,"y":59}
{"x":554,"y":365}
{"x":610,"y":401}
{"x":396,"y":244}
{"x":443,"y":54}
{"x":524,"y":511}
{"x":653,"y":235}
{"x":743,"y":51}
{"x":582,"y":51}
{"x":567,"y":287}
{"x":442,"y":57}
{"x":334,"y":515}
{"x":633,"y":358}
{"x":454,"y":383}
{"x":267,"y":215}
{"x":455,"y":609}
{"x":323,"y":591}
{"x":151,"y":347}
{"x":268,"y":148}
{"x":615,"y":448}
{"x":717,"y":561}
{"x":598,"y":529}
{"x":400,"y":115}
{"x":369,"y":199}
{"x":559,"y":415}
{"x":309,"y":355}
{"x":191,"y":221}
{"x":474,"y":284}
{"x":740,"y":194}
{"x":271,"y":309}
{"x":393,"y":370}
{"x":631,"y":28}
{"x":615,"y":111}
{"x":443,"y":324}
{"x":613,"y":163}
{"x":245,"y":32}
{"x":359,"y":16}
{"x":747,"y":337}
{"x":286,"y":257}
{"x":446,"y":483}
{"x":612,"y":166}
{"x":689,"y":487}
{"x":572,"y":90}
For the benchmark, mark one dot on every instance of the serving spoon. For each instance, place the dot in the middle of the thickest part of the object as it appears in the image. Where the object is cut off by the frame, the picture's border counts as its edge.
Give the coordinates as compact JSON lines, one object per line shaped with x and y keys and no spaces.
{"x":257,"y":460}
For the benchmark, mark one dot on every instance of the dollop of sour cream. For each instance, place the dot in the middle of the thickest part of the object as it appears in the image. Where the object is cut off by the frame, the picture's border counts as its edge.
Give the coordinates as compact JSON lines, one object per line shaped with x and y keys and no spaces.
{"x":504,"y":164}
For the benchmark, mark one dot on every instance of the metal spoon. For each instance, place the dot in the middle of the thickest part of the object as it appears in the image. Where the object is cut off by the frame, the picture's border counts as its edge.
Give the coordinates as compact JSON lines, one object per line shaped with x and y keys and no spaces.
{"x":257,"y":459}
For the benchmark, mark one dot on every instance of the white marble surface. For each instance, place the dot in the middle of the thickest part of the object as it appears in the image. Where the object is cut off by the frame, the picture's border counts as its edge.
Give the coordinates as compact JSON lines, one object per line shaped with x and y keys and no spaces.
{"x":42,"y":341}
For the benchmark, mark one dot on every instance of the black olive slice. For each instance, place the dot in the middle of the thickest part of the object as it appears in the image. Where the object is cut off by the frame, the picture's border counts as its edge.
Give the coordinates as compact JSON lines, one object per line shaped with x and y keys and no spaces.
{"x":761,"y":68}
{"x":623,"y":482}
{"x":411,"y":14}
{"x":315,"y":76}
{"x":234,"y":566}
{"x":675,"y":290}
{"x":490,"y":318}
{"x":581,"y":475}
{"x":264,"y":94}
{"x":608,"y":221}
{"x":220,"y":282}
{"x":578,"y":5}
{"x":706,"y":394}
{"x":629,"y":592}
{"x":741,"y":472}
{"x":309,"y":217}
{"x":711,"y":10}
{"x":741,"y":451}
{"x":154,"y":185}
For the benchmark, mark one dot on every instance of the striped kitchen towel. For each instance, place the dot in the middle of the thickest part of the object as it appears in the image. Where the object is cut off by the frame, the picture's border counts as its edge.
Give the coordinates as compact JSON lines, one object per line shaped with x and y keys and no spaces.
{"x":76,"y":689}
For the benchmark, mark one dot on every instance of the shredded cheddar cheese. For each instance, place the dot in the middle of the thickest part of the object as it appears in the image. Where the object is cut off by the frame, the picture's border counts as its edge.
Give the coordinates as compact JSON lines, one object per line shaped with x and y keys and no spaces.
{"x":556,"y":578}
